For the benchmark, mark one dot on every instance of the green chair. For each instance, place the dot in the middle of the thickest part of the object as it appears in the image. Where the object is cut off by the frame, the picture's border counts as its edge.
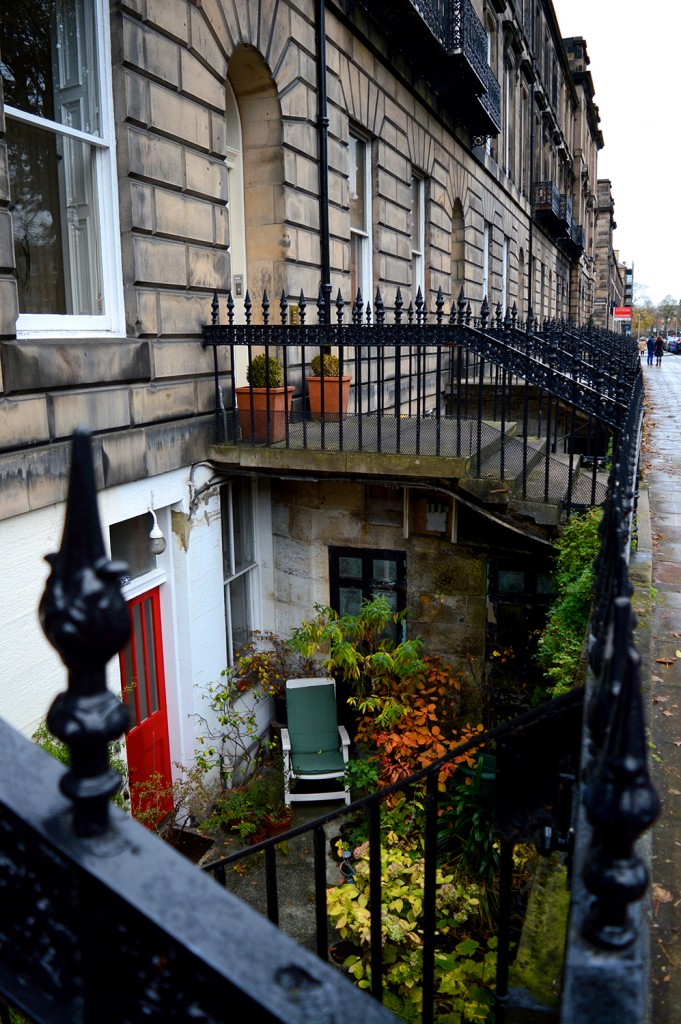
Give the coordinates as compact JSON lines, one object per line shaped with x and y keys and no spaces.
{"x":315,"y":746}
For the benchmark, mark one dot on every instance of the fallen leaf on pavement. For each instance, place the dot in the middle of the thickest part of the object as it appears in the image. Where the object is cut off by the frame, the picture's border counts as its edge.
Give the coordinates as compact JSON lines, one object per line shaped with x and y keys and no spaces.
{"x":665,"y":661}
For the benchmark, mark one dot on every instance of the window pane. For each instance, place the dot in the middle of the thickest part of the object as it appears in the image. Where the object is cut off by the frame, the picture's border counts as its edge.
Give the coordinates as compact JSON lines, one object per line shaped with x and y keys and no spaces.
{"x":416,"y":214}
{"x":391,"y":597}
{"x":350,"y":601}
{"x":356,"y":183}
{"x":54,"y":215}
{"x":130,"y":543}
{"x":238,"y":596}
{"x":151,"y":654}
{"x":242,"y":523}
{"x":357,"y":249}
{"x":511,"y":582}
{"x":384,"y":570}
{"x":140,"y":668}
{"x":49,"y":65}
{"x":350,"y":568}
{"x":545,"y":583}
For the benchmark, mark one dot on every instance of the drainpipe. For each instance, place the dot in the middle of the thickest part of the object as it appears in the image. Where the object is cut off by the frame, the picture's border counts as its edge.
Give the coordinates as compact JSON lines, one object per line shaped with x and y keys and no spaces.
{"x":530,"y":246}
{"x":323,"y":145}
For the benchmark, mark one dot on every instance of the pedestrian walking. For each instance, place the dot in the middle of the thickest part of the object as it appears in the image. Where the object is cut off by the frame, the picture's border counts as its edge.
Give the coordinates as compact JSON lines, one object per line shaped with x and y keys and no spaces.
{"x":659,"y":349}
{"x":651,"y":350}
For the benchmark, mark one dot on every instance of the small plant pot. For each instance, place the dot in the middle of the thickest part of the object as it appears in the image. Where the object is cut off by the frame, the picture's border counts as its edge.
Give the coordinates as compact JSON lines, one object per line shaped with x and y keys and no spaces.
{"x":271,"y":409}
{"x":257,"y":837}
{"x":276,"y":827}
{"x":336,"y":397}
{"x":341,"y":950}
{"x":336,"y":854}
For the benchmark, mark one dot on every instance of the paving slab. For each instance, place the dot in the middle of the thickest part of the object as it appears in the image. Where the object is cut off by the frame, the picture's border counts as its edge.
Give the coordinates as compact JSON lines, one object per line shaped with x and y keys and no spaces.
{"x":662,"y":477}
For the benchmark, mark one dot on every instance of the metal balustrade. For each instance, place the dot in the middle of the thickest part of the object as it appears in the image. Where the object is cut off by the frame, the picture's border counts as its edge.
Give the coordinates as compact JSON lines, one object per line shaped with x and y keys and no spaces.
{"x":435,"y":384}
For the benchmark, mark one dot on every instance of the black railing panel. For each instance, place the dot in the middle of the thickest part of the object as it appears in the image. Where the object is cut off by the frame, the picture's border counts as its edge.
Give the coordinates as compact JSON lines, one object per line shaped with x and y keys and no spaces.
{"x":122,"y":928}
{"x":418,"y":383}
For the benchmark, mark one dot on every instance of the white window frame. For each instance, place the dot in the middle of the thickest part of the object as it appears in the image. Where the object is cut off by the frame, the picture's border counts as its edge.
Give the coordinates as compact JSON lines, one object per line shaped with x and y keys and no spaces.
{"x":507,"y":120}
{"x":362,"y":237}
{"x":486,"y":268}
{"x":112,"y":320}
{"x":418,"y":234}
{"x":505,"y":259}
{"x":235,"y":196}
{"x":251,"y":569}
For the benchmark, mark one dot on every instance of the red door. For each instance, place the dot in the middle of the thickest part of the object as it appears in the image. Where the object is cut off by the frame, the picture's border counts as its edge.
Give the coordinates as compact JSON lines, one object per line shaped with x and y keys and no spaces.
{"x":143,"y":684}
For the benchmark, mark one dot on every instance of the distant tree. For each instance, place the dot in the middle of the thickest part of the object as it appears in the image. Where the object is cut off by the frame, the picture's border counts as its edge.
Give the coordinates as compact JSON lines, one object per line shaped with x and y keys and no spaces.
{"x":643,"y":320}
{"x":668,"y":314}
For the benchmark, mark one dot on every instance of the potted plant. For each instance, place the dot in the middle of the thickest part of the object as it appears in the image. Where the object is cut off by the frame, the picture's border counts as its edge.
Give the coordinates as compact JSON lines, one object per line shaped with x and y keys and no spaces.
{"x":326,"y":381}
{"x":264,"y":404}
{"x":278,"y":819}
{"x":239,"y":811}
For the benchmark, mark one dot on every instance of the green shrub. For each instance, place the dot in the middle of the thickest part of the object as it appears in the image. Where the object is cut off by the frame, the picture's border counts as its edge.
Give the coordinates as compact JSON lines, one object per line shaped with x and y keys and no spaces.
{"x":560,"y":645}
{"x":265,"y":371}
{"x":59,"y":750}
{"x":331,"y":365}
{"x":464,"y":967}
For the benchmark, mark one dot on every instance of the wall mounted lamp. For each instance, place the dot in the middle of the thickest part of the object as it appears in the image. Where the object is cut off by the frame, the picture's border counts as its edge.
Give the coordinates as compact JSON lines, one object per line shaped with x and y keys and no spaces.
{"x":157,"y":541}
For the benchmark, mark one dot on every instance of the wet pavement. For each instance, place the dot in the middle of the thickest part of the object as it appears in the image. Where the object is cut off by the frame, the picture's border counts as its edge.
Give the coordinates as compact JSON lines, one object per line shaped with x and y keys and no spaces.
{"x":661,"y":626}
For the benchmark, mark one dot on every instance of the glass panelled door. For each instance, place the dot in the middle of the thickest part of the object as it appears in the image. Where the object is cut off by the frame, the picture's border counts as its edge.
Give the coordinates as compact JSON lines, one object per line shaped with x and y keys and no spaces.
{"x":143,"y":684}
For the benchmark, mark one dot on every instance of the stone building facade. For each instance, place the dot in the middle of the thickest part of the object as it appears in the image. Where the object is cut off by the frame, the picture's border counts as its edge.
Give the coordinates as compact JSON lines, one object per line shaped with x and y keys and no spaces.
{"x":156,"y":150}
{"x":610,"y":281}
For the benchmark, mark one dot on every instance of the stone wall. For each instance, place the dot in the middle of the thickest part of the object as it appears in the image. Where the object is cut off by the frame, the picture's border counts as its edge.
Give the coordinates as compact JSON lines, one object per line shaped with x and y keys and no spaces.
{"x":308,"y":518}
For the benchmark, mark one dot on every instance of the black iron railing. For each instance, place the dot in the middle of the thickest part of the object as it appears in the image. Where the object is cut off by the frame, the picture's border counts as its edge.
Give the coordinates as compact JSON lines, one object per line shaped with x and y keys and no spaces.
{"x":547,"y":199}
{"x":448,"y":46}
{"x":537,"y":816}
{"x":538,"y":756}
{"x":434,"y":384}
{"x":103,"y":923}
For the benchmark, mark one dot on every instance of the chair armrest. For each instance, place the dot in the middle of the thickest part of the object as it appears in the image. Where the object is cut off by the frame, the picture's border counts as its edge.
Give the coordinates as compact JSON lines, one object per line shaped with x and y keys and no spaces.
{"x":285,"y":739}
{"x":345,"y":739}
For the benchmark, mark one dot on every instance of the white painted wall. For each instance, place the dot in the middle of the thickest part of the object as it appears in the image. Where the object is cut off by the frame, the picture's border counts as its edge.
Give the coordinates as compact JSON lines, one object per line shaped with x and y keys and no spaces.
{"x":32,"y":672}
{"x":189,"y":574}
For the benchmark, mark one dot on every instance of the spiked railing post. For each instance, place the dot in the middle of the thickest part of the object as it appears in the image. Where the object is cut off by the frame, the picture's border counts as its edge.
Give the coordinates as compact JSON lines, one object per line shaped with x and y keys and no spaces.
{"x":84,"y":616}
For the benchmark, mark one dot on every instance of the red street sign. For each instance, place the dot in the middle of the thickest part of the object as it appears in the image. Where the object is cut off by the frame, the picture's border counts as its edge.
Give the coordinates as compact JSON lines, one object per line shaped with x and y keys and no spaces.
{"x":621,"y":313}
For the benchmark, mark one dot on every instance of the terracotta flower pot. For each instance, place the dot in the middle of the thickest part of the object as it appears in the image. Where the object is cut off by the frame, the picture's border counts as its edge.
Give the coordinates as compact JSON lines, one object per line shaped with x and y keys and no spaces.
{"x":270,"y":407}
{"x":335,"y":398}
{"x":276,"y":826}
{"x":257,"y":837}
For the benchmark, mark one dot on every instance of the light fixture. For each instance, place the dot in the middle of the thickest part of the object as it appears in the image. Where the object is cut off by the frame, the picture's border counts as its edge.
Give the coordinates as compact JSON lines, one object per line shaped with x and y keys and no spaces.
{"x":156,"y":538}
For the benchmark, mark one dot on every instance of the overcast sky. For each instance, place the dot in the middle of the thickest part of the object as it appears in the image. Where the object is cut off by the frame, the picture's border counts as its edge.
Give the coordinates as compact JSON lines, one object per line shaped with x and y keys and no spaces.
{"x":635,"y":52}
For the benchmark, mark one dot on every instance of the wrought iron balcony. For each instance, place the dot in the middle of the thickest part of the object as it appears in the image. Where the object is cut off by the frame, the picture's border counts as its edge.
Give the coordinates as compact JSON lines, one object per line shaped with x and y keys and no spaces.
{"x":554,"y":211}
{"x":547,"y":201}
{"x":445,"y":42}
{"x":577,"y":235}
{"x":484,"y":117}
{"x":443,"y":388}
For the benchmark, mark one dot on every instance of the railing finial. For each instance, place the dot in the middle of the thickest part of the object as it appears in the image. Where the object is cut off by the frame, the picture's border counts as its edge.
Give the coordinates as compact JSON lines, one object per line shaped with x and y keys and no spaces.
{"x":621,"y":803}
{"x":84,"y":616}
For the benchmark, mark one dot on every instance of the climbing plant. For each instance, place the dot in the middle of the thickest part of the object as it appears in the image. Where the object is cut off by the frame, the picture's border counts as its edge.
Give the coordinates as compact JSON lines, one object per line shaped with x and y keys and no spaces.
{"x":561,"y":643}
